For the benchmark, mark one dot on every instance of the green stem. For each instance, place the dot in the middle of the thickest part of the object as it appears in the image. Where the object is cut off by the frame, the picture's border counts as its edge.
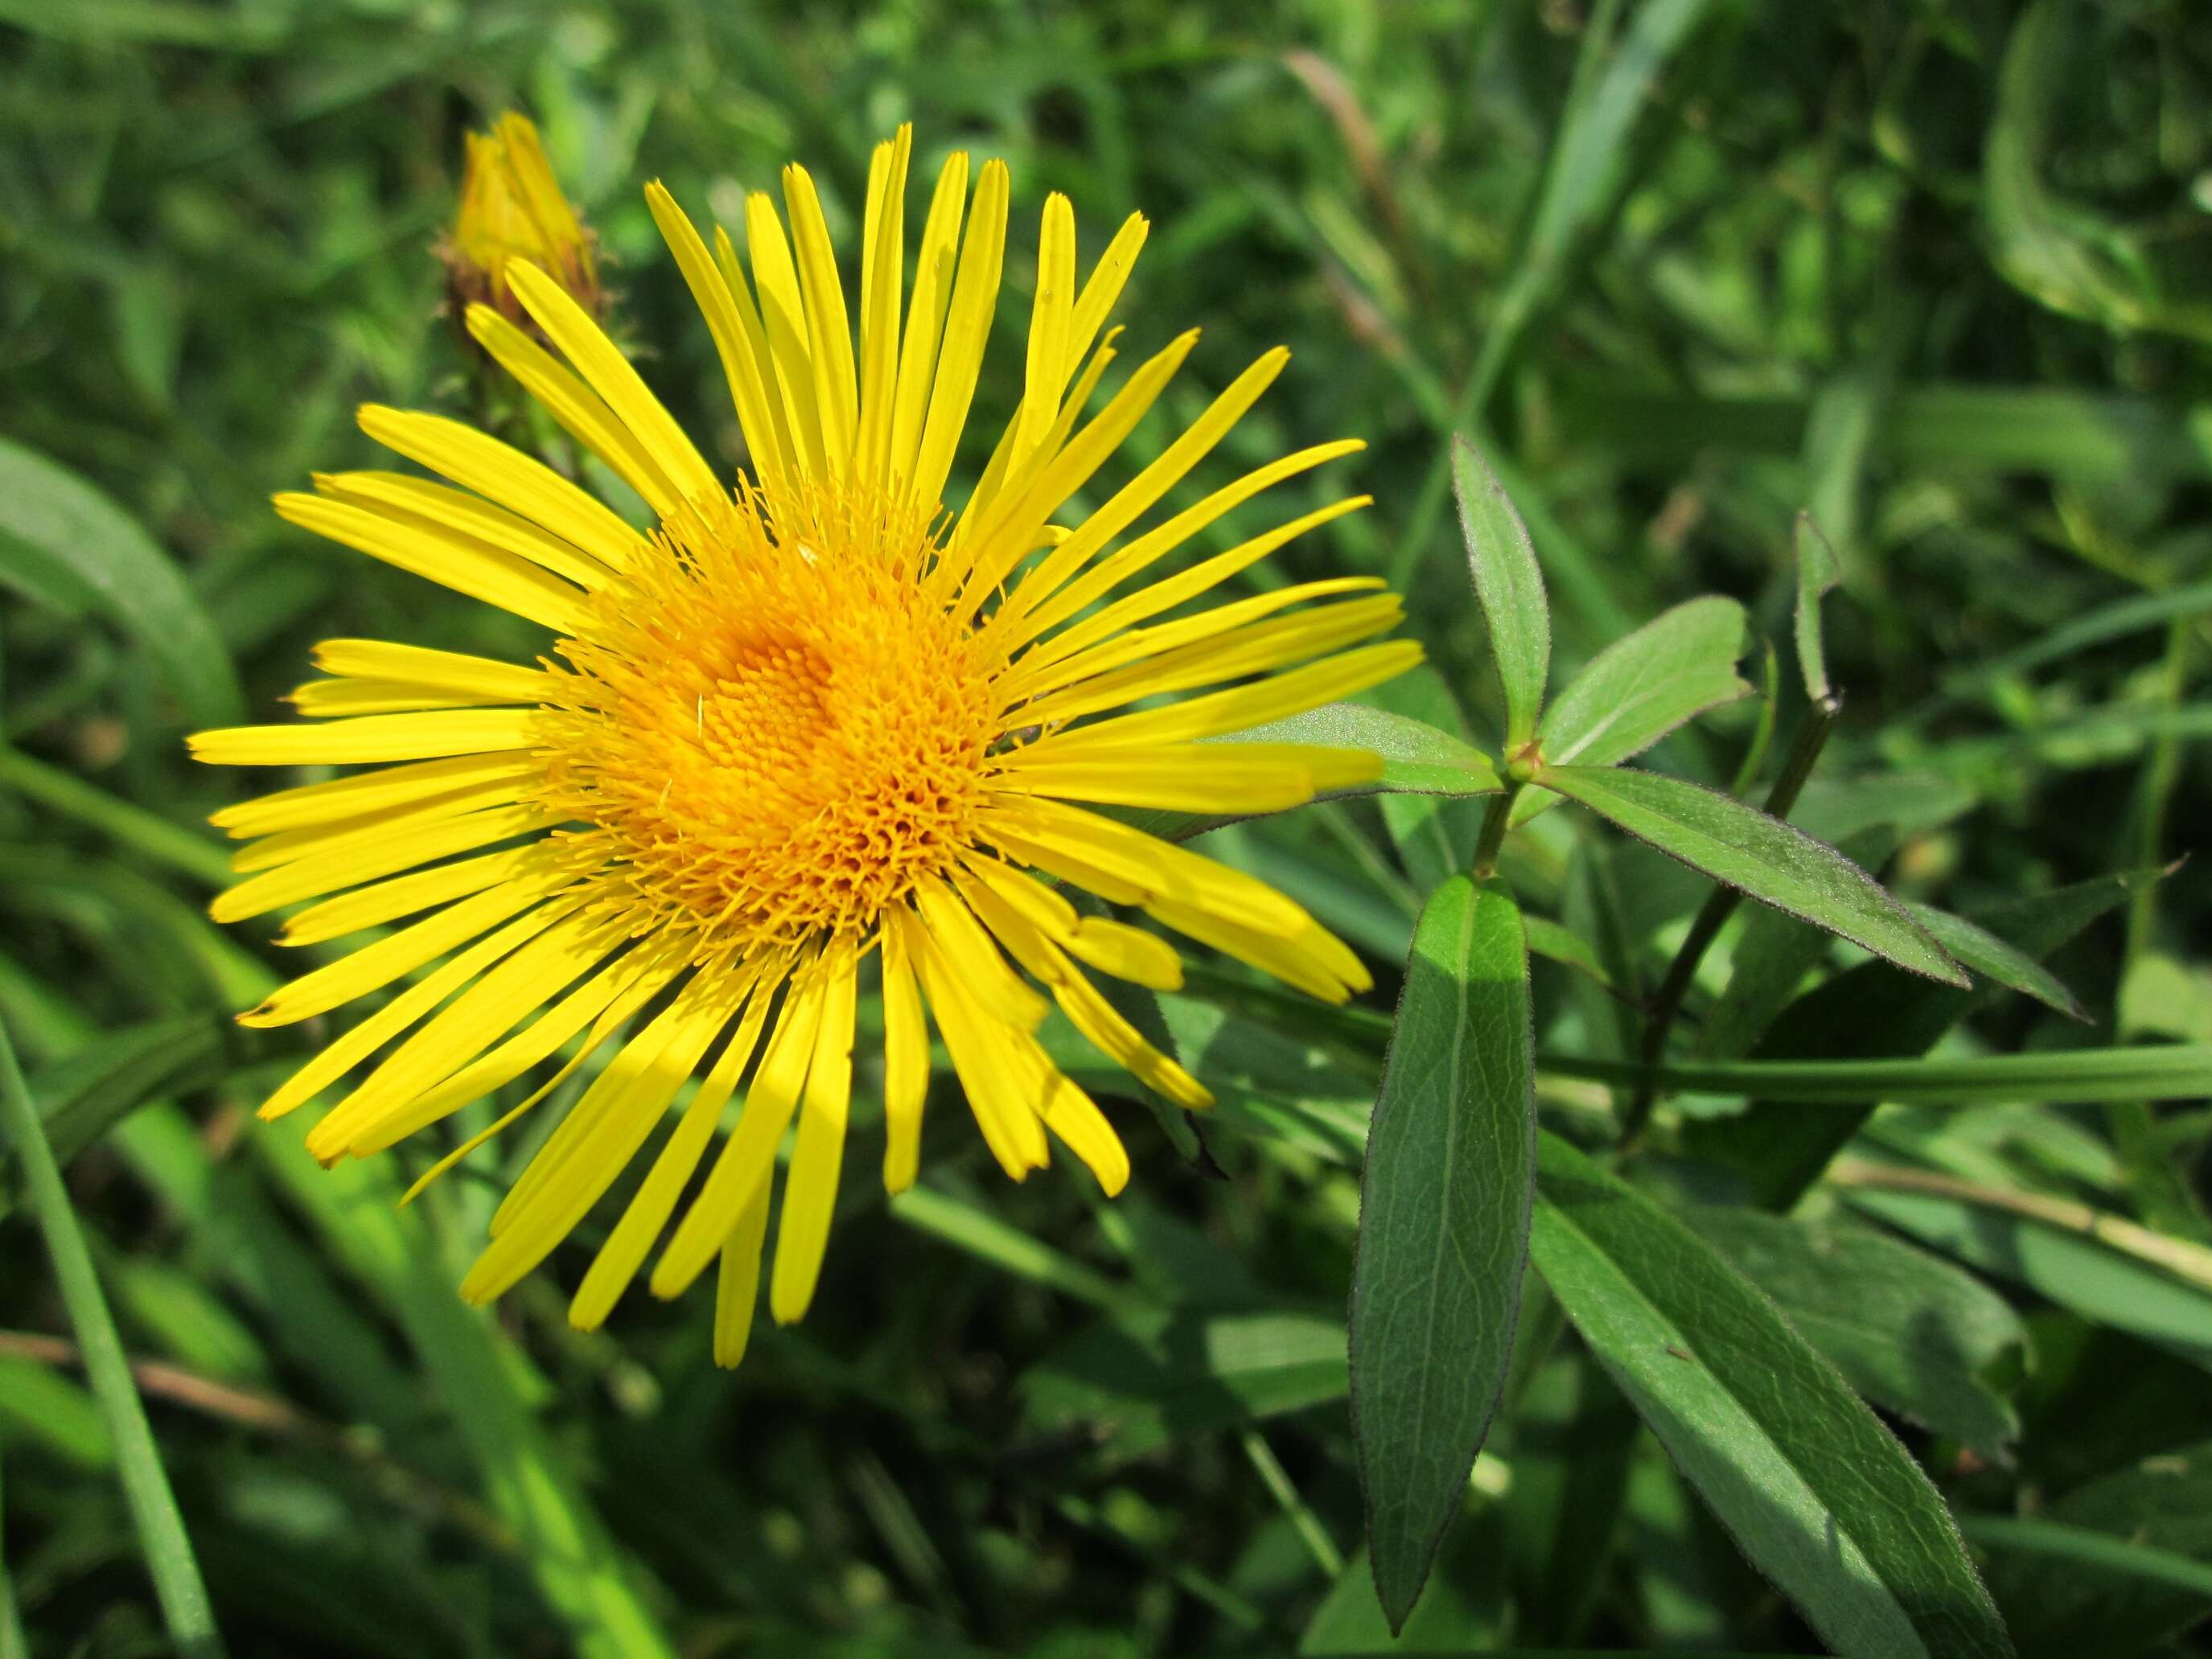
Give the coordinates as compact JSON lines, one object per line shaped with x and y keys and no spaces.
{"x":1666,"y":1001}
{"x":177,"y":1582}
{"x":1495,"y":823}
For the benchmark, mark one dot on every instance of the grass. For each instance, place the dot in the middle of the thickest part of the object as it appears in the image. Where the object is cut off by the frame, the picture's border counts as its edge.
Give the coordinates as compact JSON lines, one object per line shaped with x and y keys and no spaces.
{"x":1938,"y":271}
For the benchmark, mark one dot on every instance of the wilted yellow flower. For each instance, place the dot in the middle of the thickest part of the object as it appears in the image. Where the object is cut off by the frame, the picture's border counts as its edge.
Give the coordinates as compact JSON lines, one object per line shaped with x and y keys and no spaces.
{"x":511,"y":208}
{"x":807,"y":718}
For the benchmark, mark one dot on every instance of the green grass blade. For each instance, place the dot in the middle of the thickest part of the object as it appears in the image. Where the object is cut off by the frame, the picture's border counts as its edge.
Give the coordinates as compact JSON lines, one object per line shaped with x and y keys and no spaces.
{"x":168,"y":1551}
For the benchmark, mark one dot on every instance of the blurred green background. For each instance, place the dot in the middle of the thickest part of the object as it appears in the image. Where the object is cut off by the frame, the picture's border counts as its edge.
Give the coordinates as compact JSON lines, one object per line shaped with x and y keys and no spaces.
{"x":1939,"y":269}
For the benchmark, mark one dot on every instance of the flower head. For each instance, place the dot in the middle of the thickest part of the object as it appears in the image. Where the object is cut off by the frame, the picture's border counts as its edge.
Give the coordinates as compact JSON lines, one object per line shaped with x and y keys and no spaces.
{"x":808,"y":727}
{"x":511,"y":208}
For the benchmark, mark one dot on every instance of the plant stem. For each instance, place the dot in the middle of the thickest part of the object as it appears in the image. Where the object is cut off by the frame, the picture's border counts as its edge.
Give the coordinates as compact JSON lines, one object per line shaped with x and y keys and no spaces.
{"x":1304,"y":1521}
{"x":1495,"y":823}
{"x":1812,"y":736}
{"x":177,"y":1582}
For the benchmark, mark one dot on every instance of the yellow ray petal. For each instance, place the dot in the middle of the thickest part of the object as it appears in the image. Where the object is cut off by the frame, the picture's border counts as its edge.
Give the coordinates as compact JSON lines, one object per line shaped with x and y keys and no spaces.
{"x":348,"y":699}
{"x":582,"y":341}
{"x":469,"y":515}
{"x":1036,"y":617}
{"x":736,"y":332}
{"x":1051,"y":320}
{"x":1261,"y":647}
{"x":989,"y":1056}
{"x":1180,"y":778}
{"x":828,"y":334}
{"x":1035,"y":676}
{"x":925,"y":321}
{"x":367,"y":793}
{"x":375,"y":966}
{"x":312,"y":878}
{"x":633,"y":1237}
{"x":906,"y":1053}
{"x":1049,"y":834}
{"x":810,"y":1188}
{"x":737,"y":1285}
{"x":445,"y":556}
{"x":1131,"y":953}
{"x":967,"y":949}
{"x":1313,"y":959}
{"x":426,"y":736}
{"x":783,"y":319}
{"x":446,"y":670}
{"x":477,"y":1018}
{"x":1274,"y":698}
{"x":603,"y":1001}
{"x":1104,"y":284}
{"x":505,"y":475}
{"x":883,"y":266}
{"x":601,"y":1134}
{"x":1016,"y":521}
{"x":350,"y":1048}
{"x":579,"y":410}
{"x":369,"y":832}
{"x":402,"y":895}
{"x":1137,"y":497}
{"x":967,"y":329}
{"x":747,"y":1158}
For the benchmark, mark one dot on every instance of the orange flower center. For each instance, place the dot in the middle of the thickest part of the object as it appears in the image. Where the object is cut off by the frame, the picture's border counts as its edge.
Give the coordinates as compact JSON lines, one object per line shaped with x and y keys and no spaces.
{"x":773,"y":724}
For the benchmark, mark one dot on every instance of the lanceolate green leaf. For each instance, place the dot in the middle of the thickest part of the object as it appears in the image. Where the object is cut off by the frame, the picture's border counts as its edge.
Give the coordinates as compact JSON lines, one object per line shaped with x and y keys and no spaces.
{"x":1991,"y":958}
{"x":1509,"y":584}
{"x":1911,"y":1331}
{"x":64,"y":541}
{"x":1638,"y":689}
{"x":2162,"y":1070}
{"x":1763,"y":856}
{"x":1819,"y":1496}
{"x":1443,"y":1226}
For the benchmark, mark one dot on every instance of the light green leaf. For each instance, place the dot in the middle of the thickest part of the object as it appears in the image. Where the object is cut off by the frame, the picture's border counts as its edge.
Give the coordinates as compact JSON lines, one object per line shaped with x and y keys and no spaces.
{"x":1907,"y":1329}
{"x":1766,"y":858}
{"x":64,"y":542}
{"x":1444,"y":1221}
{"x":1638,"y":689}
{"x":1819,"y":1496}
{"x":1510,"y":586}
{"x":1818,"y":573}
{"x":1989,"y":956}
{"x":1417,"y":757}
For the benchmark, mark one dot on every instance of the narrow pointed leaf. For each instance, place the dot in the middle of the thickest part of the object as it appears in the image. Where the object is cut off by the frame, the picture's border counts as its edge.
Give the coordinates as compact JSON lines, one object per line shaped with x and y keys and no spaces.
{"x":1509,"y":584}
{"x":1638,"y":689}
{"x":1989,"y":956}
{"x":1766,"y":858}
{"x":1443,"y":1226}
{"x":1817,"y":1494}
{"x":1417,"y":757}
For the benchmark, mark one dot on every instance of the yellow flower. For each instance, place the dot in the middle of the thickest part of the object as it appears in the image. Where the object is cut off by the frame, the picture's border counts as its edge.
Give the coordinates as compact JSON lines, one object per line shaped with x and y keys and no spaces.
{"x":807,"y":718}
{"x":511,"y":208}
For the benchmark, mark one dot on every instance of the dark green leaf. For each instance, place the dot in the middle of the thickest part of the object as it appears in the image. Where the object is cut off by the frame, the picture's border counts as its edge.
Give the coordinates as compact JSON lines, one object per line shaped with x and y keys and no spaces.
{"x":1509,"y":584}
{"x":1443,"y":1226}
{"x":1991,"y":958}
{"x":1907,"y":1329}
{"x":1817,"y":1493}
{"x":1766,"y":858}
{"x":60,"y":538}
{"x":2165,"y":1071}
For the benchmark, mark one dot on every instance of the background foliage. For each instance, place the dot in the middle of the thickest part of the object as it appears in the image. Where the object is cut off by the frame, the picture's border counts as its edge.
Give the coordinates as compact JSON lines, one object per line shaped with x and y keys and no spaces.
{"x":1939,"y":269}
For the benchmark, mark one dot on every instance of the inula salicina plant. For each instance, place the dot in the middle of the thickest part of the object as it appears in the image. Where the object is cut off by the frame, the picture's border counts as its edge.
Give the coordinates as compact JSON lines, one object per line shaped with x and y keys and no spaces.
{"x":1511,"y":925}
